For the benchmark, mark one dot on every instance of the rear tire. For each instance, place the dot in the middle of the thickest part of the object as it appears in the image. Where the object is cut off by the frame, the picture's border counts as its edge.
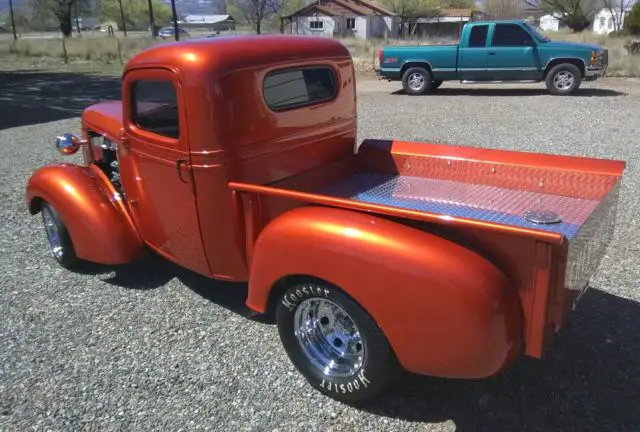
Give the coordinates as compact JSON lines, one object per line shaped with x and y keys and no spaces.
{"x":334,"y":343}
{"x":563,"y":79}
{"x":436,"y":84}
{"x":58,"y":237}
{"x":417,"y":81}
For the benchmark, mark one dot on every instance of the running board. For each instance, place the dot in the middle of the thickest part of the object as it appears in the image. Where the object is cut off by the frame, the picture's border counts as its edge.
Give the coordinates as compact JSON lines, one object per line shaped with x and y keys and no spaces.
{"x":500,"y":82}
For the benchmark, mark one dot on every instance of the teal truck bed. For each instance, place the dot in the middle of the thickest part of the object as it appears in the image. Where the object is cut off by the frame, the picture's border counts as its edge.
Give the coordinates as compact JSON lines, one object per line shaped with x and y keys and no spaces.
{"x":494,"y":51}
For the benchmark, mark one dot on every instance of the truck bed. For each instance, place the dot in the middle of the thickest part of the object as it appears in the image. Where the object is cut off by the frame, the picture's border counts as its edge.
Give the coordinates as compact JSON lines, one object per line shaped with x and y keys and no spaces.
{"x":479,"y":197}
{"x":491,"y":189}
{"x":492,"y":204}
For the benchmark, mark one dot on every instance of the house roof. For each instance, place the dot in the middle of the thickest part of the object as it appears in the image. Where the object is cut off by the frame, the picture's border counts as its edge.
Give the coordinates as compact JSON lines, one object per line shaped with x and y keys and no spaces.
{"x":342,"y":7}
{"x":206,"y":19}
{"x":456,"y":12}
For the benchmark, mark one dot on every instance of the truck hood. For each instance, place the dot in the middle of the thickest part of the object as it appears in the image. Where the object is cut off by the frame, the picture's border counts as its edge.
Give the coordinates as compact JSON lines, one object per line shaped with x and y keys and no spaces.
{"x":571,"y":45}
{"x":104,"y":118}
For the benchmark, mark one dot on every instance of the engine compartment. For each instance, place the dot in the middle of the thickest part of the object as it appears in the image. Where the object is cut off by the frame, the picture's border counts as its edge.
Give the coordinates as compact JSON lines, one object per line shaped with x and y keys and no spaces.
{"x":105,"y":156}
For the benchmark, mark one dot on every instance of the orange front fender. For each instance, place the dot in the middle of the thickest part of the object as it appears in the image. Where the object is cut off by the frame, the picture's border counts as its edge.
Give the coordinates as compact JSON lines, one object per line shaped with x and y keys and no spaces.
{"x":446,"y":310}
{"x":98,"y":223}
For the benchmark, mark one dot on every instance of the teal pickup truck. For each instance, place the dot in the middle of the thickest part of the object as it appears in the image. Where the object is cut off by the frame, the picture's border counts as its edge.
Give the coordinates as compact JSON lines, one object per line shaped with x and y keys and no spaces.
{"x":492,"y":52}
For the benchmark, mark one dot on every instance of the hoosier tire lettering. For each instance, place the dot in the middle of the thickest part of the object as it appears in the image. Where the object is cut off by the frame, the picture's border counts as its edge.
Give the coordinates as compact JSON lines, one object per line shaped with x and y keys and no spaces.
{"x":348,"y":387}
{"x":291,"y":300}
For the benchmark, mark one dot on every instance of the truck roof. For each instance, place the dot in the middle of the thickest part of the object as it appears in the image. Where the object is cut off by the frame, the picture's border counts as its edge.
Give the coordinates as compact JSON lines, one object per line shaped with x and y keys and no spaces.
{"x":504,"y":21}
{"x":228,"y":53}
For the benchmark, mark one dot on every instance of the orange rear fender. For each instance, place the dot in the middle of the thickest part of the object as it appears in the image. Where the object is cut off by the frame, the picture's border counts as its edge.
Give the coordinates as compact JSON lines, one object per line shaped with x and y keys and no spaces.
{"x":98,"y":223}
{"x":446,"y":310}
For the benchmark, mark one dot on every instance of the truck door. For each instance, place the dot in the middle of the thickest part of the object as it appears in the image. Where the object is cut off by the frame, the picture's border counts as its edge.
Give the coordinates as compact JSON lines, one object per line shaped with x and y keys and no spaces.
{"x":473,"y":54}
{"x":155,"y":167}
{"x":512,"y":54}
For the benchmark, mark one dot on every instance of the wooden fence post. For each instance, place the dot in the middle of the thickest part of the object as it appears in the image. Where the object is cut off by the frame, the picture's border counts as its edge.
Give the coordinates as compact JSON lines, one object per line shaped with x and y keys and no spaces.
{"x":64,"y":50}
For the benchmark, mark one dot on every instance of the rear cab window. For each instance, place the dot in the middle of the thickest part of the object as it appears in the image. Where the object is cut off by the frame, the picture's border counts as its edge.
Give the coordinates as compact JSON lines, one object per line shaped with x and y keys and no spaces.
{"x":155,"y":107}
{"x":299,"y":87}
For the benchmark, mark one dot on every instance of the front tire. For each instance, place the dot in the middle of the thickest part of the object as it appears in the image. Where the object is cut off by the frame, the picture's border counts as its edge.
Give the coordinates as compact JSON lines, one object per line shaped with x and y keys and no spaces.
{"x":334,"y":343}
{"x":417,"y":81}
{"x":563,"y":79}
{"x":58,"y":237}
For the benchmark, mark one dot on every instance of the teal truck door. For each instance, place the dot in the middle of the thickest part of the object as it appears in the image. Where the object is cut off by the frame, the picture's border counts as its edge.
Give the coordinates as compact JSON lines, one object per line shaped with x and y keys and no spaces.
{"x":512,"y":54}
{"x":473,"y":53}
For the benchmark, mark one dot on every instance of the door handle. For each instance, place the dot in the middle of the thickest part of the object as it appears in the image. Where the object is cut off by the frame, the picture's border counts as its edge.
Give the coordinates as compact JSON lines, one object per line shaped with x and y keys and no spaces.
{"x":491,"y":53}
{"x":179,"y":164}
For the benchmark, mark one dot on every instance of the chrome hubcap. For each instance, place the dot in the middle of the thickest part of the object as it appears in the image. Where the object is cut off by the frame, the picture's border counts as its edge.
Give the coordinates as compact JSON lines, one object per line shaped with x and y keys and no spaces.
{"x":52,"y":233}
{"x":416,"y":81}
{"x":329,"y":338}
{"x":563,"y":80}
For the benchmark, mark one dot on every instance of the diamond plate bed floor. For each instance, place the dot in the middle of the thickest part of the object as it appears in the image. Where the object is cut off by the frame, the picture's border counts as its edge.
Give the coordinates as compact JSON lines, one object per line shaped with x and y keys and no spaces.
{"x":479,"y":202}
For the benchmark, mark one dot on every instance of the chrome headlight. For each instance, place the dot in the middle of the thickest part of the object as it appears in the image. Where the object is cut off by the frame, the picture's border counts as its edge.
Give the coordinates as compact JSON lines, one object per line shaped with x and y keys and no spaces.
{"x":68,"y":144}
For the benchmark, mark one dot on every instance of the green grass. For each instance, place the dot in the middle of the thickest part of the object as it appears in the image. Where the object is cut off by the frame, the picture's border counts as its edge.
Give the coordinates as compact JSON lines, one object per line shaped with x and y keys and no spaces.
{"x":98,"y":51}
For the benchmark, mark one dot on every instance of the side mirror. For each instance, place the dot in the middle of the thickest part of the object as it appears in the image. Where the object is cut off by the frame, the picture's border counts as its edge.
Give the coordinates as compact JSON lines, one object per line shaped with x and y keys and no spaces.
{"x":68,"y":144}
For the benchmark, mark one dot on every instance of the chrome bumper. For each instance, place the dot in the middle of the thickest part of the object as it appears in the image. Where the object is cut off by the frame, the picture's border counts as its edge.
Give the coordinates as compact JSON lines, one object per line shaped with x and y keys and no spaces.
{"x":595,"y":72}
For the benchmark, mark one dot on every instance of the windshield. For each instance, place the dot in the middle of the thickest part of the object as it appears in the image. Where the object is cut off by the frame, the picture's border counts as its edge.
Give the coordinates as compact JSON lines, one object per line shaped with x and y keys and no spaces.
{"x":537,"y":34}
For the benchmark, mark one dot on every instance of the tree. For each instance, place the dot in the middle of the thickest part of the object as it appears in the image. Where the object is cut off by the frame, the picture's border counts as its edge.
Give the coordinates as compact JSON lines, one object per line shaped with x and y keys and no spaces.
{"x":135,"y":13}
{"x":632,"y":20}
{"x":408,"y":9}
{"x":405,"y":9}
{"x":62,"y":10}
{"x":504,"y":9}
{"x":617,"y":8}
{"x":575,"y":14}
{"x":257,"y":11}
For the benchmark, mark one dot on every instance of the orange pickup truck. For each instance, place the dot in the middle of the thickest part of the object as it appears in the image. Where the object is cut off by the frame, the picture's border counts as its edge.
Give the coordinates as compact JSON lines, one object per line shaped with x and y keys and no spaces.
{"x":236,"y":158}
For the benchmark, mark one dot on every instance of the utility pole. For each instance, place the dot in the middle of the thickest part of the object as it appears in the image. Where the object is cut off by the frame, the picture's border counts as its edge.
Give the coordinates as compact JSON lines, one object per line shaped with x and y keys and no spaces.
{"x":151,"y":22}
{"x":124,"y":26}
{"x":176,"y":35}
{"x":13,"y":22}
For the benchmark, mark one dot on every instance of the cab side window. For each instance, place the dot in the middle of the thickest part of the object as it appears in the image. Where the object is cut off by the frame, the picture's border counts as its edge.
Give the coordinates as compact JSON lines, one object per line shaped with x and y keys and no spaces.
{"x":478,"y":36}
{"x":155,"y":107}
{"x":509,"y":35}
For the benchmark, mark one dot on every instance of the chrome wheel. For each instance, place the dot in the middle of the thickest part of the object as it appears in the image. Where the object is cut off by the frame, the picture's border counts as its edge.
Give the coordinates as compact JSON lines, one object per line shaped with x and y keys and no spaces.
{"x":416,"y":81}
{"x":329,"y":338}
{"x":563,"y":80}
{"x":53,"y":235}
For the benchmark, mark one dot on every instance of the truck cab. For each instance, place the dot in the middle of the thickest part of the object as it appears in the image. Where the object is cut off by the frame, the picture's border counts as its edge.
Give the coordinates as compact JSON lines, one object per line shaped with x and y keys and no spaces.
{"x":504,"y":51}
{"x":237,"y":158}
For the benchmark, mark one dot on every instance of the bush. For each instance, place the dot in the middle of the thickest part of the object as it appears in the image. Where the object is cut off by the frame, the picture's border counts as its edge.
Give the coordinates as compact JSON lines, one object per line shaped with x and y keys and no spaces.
{"x":632,"y":20}
{"x":622,"y":33}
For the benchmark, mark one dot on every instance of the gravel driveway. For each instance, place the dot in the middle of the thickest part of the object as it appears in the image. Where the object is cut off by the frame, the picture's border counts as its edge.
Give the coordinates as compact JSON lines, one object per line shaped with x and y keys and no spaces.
{"x":155,"y":348}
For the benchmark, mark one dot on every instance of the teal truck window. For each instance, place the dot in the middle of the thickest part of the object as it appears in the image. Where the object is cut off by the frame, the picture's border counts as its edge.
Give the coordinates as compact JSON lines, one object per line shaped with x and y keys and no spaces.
{"x":478,"y":36}
{"x":511,"y":35}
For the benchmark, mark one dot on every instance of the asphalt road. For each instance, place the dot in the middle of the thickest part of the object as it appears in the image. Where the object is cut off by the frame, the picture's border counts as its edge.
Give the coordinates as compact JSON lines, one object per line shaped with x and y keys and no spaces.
{"x":151,"y":347}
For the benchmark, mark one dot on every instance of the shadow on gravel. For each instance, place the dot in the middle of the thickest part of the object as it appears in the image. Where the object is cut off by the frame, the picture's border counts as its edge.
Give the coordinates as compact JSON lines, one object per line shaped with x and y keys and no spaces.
{"x":153,"y":272}
{"x":28,"y":97}
{"x":589,"y":380}
{"x":582,"y":92}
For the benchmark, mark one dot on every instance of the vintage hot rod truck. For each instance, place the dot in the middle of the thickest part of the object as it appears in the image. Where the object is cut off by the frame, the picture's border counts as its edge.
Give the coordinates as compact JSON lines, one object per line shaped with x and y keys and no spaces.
{"x":503,"y":51}
{"x":236,"y":158}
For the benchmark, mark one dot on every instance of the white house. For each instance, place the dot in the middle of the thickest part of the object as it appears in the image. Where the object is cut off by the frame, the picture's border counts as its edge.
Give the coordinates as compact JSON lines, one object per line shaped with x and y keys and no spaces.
{"x":341,"y":18}
{"x":605,"y":21}
{"x":212,"y":22}
{"x":549,"y":23}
